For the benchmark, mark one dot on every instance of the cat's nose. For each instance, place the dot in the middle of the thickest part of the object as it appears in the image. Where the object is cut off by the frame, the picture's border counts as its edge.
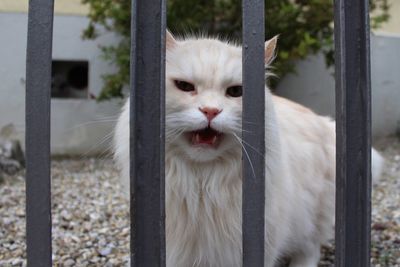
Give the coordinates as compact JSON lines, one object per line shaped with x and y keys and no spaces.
{"x":210,"y":113}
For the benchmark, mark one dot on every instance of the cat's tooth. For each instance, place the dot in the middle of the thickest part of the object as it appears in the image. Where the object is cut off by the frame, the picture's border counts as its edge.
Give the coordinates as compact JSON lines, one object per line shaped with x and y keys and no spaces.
{"x":214,"y":139}
{"x":197,"y":138}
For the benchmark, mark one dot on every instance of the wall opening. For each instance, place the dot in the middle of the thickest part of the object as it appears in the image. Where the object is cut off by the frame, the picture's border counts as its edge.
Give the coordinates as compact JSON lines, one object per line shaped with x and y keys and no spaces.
{"x":70,"y":79}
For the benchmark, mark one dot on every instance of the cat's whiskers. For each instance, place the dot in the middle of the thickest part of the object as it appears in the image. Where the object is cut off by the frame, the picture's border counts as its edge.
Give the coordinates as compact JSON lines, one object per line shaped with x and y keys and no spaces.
{"x":91,"y":122}
{"x":250,"y":146}
{"x":238,"y":128}
{"x":171,"y":132}
{"x":102,"y":141}
{"x":247,"y":155}
{"x":250,"y":122}
{"x":175,"y":133}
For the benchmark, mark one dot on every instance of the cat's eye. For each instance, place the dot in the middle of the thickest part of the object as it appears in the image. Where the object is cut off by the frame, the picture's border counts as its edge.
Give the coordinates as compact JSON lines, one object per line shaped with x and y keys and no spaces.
{"x":184,"y":86}
{"x":234,"y":91}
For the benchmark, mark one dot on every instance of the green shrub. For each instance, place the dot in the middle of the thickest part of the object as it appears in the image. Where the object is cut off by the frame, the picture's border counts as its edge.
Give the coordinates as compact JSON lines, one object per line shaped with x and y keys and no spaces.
{"x":305,"y":27}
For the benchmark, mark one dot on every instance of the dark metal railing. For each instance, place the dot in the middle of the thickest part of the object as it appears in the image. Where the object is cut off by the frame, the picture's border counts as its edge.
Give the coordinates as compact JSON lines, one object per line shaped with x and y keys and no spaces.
{"x":38,"y":87}
{"x":253,"y":195}
{"x":147,"y":133}
{"x":353,"y":131}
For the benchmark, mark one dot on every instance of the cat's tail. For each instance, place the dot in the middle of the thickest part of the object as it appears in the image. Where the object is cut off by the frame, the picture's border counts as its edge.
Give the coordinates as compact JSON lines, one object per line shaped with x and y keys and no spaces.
{"x":377,"y":165}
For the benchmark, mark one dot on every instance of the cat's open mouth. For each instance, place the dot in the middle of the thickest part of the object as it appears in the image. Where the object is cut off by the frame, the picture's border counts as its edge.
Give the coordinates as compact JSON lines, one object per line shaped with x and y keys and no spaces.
{"x":205,"y":137}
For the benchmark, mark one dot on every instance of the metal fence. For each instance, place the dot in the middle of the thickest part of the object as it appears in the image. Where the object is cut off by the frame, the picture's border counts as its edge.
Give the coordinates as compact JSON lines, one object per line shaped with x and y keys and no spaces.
{"x":147,"y":133}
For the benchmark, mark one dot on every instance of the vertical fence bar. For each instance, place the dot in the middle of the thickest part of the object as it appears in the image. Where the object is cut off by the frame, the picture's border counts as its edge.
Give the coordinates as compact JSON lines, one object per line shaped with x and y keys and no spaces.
{"x":253,"y":134}
{"x":38,"y":86}
{"x":353,"y":114}
{"x":147,"y":133}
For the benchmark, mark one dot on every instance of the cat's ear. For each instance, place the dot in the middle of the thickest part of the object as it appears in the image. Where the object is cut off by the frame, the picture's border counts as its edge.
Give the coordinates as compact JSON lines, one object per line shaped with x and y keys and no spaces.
{"x":270,"y":46}
{"x":170,"y":40}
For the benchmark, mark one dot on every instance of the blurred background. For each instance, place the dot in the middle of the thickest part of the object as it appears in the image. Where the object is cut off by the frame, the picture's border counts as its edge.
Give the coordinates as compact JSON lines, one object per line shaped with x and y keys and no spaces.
{"x":90,"y":77}
{"x":91,"y":61}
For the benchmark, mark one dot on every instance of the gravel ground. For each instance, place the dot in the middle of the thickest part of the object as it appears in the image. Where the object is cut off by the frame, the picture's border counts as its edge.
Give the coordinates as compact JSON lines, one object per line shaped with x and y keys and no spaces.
{"x":90,"y":216}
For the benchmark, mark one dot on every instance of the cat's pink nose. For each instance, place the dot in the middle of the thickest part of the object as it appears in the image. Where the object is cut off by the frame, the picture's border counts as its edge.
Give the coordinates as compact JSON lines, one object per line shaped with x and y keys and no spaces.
{"x":210,"y":113}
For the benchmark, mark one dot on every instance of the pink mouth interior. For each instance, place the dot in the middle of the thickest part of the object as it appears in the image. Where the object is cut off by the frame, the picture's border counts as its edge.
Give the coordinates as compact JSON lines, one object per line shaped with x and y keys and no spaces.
{"x":207,"y":136}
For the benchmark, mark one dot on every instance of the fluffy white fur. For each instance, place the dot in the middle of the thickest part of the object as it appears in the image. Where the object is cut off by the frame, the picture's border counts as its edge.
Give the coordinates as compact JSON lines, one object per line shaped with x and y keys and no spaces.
{"x":203,"y":185}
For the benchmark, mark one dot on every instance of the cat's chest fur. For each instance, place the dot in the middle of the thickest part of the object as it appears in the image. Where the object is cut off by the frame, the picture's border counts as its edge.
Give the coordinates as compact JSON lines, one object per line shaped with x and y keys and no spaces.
{"x":203,"y":212}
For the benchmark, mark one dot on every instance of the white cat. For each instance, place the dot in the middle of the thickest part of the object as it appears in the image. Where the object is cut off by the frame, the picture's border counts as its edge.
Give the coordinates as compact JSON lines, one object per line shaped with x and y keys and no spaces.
{"x":204,"y":158}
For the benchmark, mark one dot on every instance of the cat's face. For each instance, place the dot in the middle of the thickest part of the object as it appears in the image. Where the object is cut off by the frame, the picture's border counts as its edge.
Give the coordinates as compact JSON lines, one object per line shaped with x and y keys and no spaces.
{"x":203,"y":98}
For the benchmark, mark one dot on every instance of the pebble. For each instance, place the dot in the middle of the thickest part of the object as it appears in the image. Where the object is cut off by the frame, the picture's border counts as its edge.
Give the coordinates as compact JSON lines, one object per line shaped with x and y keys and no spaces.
{"x":106,"y":251}
{"x":91,"y":216}
{"x":69,"y":262}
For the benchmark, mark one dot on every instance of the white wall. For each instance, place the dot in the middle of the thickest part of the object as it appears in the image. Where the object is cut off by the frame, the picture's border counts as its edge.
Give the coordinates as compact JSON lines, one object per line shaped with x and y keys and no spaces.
{"x":69,"y":7}
{"x":74,"y":130}
{"x":76,"y":126}
{"x":393,"y":24}
{"x":314,"y":85}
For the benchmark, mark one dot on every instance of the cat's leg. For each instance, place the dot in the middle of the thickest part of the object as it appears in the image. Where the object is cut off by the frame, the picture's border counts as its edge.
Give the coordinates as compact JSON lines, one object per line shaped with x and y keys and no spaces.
{"x":308,"y":256}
